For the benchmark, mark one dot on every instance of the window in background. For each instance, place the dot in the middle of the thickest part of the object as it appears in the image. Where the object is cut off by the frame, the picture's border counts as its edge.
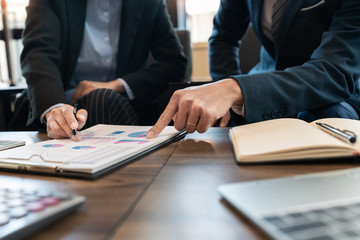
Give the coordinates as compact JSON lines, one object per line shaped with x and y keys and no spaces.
{"x":200,"y":15}
{"x":200,"y":18}
{"x":15,"y":12}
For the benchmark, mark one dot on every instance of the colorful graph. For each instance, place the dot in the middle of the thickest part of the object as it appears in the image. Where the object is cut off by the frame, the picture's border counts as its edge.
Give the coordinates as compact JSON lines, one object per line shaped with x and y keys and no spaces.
{"x":83,"y":147}
{"x":97,"y":140}
{"x":115,"y":133}
{"x":131,"y":141}
{"x":137,"y":134}
{"x":53,"y":145}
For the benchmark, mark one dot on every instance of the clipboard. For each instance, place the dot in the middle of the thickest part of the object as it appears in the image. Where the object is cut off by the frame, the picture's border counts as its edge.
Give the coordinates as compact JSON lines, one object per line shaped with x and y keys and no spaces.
{"x":103,"y":149}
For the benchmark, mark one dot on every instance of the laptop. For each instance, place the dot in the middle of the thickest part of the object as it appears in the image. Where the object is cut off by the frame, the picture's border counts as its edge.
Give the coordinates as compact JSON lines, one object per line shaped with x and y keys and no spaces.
{"x":320,"y":206}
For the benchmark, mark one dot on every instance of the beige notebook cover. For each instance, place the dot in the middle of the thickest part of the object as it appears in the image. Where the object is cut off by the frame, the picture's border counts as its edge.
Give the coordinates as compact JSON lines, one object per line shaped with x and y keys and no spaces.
{"x":289,"y":139}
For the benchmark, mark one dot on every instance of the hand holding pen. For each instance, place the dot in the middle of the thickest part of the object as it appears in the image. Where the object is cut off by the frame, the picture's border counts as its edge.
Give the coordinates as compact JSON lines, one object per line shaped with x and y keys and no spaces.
{"x":74,"y":130}
{"x":64,"y":121}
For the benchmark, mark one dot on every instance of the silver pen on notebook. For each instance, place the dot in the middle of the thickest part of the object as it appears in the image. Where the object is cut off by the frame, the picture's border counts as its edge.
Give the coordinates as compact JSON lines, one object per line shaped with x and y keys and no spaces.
{"x":345,"y":135}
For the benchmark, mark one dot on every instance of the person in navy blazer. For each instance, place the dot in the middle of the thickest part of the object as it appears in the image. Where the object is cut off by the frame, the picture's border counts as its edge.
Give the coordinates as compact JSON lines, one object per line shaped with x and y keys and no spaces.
{"x":52,"y":40}
{"x":310,"y":69}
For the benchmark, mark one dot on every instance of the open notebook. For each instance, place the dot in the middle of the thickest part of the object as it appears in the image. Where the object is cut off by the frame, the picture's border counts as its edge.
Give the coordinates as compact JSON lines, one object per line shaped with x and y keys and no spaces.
{"x":290,"y":139}
{"x":102,"y":148}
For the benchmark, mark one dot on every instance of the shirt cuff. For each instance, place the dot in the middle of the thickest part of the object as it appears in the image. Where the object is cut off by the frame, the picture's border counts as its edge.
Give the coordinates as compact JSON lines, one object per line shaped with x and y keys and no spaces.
{"x":239,"y":110}
{"x":42,"y":116}
{"x":128,"y":90}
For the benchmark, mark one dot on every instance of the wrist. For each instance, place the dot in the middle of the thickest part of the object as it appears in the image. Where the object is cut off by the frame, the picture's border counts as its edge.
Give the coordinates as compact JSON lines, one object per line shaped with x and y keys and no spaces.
{"x":118,"y":86}
{"x":234,"y":91}
{"x":45,"y":115}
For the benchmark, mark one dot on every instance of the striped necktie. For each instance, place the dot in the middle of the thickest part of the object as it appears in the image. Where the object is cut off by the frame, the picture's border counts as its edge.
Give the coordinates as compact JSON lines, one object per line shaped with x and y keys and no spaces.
{"x":278,"y":9}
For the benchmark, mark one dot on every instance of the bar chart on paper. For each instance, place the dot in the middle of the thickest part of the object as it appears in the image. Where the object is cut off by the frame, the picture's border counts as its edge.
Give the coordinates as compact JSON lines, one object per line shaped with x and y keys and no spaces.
{"x":137,"y":134}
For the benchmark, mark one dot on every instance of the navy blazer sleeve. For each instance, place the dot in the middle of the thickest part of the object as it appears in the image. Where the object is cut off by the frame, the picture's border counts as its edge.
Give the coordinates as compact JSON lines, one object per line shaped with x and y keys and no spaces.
{"x":42,"y":58}
{"x":318,"y":63}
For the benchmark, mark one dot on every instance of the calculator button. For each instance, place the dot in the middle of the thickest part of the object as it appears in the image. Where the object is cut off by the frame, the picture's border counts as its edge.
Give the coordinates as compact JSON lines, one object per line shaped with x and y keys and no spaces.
{"x":29,"y":198}
{"x":49,"y":201}
{"x":18,"y":212}
{"x":43,"y":194}
{"x":35,"y":207}
{"x":3,"y":208}
{"x":4,"y":219}
{"x":15,"y":203}
{"x":13,"y":195}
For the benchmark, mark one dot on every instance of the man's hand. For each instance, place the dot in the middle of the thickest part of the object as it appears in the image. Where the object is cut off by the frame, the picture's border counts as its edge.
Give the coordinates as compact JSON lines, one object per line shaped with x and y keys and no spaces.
{"x":225,"y":119}
{"x":198,"y":108}
{"x":85,"y":87}
{"x":61,"y":120}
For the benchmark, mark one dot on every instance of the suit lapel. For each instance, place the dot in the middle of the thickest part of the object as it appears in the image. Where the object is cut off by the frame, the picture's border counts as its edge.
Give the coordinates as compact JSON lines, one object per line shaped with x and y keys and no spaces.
{"x":77,"y":13}
{"x":256,"y":10}
{"x":130,"y":19}
{"x":289,"y":14}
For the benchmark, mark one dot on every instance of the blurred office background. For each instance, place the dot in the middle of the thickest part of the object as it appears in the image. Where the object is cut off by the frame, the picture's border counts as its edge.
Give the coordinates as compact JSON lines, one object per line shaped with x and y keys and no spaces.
{"x":15,"y":18}
{"x":191,"y":18}
{"x":194,"y":16}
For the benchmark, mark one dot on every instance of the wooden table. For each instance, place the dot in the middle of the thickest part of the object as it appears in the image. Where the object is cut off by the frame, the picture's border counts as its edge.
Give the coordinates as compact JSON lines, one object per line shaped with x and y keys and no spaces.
{"x":168,"y":194}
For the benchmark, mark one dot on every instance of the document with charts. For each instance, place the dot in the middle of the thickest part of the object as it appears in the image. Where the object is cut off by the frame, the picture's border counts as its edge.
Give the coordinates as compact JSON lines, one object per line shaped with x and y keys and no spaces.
{"x":101,"y":149}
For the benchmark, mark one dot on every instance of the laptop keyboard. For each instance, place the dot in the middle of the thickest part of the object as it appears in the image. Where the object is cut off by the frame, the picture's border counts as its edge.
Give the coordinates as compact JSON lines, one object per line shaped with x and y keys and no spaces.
{"x":339,"y":222}
{"x":23,"y":211}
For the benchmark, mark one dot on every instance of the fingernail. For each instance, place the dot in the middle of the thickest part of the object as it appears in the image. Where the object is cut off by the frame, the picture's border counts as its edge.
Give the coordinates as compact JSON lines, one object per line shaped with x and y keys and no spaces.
{"x":150,"y":134}
{"x":81,"y":117}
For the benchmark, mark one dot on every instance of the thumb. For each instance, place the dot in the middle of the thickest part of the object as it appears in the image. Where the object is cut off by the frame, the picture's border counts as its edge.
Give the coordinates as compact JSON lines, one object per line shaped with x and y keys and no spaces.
{"x":225,"y":119}
{"x":81,"y":116}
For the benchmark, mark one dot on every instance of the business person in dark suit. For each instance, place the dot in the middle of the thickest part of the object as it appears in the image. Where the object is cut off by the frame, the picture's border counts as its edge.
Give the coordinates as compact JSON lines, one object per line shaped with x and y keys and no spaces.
{"x":309,"y":67}
{"x":95,"y":53}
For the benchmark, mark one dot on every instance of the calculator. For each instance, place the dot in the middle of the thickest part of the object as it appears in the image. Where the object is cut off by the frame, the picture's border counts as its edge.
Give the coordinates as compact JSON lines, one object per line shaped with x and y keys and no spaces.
{"x":23,"y":210}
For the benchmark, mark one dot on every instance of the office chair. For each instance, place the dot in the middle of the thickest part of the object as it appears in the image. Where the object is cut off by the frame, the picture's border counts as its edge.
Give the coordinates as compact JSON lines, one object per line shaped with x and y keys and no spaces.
{"x":249,"y":52}
{"x":185,"y":40}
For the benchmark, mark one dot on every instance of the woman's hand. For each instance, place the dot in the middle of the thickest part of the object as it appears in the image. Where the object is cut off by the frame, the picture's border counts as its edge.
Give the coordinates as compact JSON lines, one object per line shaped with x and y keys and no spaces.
{"x":61,"y":121}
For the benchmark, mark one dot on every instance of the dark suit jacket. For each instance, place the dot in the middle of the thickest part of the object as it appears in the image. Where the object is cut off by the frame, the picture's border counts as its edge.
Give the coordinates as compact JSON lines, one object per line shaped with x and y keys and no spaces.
{"x":318,"y":49}
{"x":52,"y":41}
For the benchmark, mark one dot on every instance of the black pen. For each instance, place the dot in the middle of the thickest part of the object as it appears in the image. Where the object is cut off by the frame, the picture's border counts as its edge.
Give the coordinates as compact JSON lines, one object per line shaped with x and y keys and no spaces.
{"x":73,"y":132}
{"x":345,"y":135}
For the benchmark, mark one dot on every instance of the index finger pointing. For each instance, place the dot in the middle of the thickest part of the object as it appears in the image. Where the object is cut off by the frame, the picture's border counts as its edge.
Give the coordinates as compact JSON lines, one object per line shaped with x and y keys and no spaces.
{"x":164,"y":119}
